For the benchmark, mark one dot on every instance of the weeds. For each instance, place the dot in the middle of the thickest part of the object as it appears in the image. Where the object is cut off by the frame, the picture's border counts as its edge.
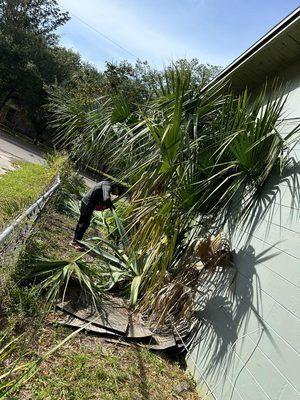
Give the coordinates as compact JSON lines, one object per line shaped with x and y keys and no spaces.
{"x":19,"y":371}
{"x":94,"y":369}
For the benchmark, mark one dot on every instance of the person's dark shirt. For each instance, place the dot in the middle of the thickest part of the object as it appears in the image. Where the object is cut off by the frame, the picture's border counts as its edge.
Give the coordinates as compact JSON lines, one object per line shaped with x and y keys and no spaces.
{"x":99,"y":195}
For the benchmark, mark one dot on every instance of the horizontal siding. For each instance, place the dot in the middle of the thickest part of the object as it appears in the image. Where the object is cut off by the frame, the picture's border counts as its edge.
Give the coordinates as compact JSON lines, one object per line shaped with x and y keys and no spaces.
{"x":274,"y":260}
{"x":248,"y":347}
{"x":232,"y":342}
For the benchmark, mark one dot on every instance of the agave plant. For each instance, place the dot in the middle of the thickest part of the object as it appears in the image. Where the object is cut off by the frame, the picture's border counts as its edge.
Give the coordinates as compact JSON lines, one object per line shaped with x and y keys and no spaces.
{"x":120,"y":264}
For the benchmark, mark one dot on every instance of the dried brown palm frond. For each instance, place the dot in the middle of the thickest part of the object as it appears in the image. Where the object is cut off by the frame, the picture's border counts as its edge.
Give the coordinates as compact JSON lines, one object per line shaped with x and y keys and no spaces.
{"x":173,"y":302}
{"x":213,"y":252}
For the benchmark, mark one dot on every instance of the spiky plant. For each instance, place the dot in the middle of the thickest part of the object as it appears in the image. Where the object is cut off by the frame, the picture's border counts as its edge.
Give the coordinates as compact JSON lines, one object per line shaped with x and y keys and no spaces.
{"x":188,"y":157}
{"x":54,"y":276}
{"x":121,"y":265}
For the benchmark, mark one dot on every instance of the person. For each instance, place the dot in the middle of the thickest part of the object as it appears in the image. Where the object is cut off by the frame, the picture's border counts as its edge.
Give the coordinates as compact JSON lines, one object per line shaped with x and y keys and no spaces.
{"x":99,"y":199}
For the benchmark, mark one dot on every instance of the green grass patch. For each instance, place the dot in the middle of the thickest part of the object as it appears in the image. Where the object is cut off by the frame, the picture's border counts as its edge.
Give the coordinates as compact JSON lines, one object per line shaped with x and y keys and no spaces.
{"x":86,"y":367}
{"x":90,"y":368}
{"x":21,"y":187}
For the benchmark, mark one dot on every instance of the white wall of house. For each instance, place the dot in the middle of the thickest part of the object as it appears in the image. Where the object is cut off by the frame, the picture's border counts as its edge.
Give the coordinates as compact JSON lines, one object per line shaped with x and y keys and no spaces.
{"x":249,"y":345}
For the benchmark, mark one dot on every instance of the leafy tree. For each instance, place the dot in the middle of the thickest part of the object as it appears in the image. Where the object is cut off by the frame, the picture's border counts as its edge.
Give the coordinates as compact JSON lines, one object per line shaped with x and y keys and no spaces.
{"x":41,"y":17}
{"x":201,"y":74}
{"x":122,"y":80}
{"x":30,"y":57}
{"x":140,"y":82}
{"x":118,"y":97}
{"x":65,"y":63}
{"x":20,"y":72}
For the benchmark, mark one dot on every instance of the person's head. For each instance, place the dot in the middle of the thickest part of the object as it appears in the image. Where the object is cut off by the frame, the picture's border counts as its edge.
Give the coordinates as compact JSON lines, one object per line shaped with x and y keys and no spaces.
{"x":117,"y":189}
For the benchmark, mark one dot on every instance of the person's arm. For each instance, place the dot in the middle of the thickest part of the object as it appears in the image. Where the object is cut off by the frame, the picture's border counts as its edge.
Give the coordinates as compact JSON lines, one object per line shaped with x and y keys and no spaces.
{"x":106,"y":189}
{"x":110,"y":205}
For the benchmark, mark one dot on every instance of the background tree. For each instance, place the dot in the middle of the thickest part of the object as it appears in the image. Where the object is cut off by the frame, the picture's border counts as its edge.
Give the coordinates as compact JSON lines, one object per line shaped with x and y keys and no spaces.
{"x":29,"y":55}
{"x":41,"y":17}
{"x":110,"y":103}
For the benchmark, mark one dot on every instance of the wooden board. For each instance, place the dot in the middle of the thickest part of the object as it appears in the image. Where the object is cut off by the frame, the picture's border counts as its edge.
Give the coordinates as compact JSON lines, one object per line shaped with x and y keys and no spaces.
{"x":111,"y":315}
{"x":71,"y":321}
{"x":113,"y":318}
{"x":156,"y":342}
{"x":137,"y":327}
{"x":160,"y":342}
{"x":138,"y":331}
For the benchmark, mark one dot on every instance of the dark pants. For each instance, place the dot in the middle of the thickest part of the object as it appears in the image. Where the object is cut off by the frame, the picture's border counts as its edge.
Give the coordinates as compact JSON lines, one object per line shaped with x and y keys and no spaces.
{"x":84,"y":221}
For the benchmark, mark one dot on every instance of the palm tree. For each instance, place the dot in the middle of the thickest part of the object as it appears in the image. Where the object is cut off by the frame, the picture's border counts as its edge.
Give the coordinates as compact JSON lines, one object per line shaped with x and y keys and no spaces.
{"x":187,"y":155}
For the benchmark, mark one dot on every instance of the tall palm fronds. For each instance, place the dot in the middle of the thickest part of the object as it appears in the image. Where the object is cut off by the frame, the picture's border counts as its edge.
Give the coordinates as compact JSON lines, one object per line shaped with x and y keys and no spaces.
{"x":202,"y":158}
{"x":87,"y":127}
{"x":188,"y":155}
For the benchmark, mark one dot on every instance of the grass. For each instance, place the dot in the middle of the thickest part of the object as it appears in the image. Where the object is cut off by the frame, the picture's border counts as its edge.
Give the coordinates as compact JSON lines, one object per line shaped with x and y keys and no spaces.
{"x":19,"y":304}
{"x":21,"y":187}
{"x":18,"y":190}
{"x":91,"y":368}
{"x":52,"y":235}
{"x":87,"y":367}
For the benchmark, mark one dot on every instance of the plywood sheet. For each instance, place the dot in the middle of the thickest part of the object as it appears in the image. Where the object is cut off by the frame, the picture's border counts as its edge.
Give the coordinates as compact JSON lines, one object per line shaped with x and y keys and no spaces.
{"x":162,"y":342}
{"x":71,"y":321}
{"x":137,"y":328}
{"x":110,"y":315}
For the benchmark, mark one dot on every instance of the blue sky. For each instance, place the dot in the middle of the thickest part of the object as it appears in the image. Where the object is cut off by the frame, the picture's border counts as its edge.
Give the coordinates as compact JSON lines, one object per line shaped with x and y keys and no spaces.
{"x":215,"y":31}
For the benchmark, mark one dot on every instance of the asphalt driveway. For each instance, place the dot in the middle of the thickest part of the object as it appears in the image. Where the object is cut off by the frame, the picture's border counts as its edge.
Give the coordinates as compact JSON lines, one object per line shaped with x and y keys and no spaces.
{"x":13,"y":149}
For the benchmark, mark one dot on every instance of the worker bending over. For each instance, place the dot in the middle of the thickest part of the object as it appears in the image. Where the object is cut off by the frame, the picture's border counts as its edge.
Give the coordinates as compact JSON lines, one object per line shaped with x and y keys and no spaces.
{"x":99,"y":199}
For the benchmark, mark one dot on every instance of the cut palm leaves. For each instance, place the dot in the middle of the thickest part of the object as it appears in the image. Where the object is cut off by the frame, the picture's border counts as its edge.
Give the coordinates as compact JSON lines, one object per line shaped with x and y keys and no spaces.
{"x":54,"y":277}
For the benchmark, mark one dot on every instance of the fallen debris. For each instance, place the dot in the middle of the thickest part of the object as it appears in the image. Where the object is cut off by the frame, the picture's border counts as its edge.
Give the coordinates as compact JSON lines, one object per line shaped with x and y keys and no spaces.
{"x":163,"y":342}
{"x":112,"y":315}
{"x":114,"y":319}
{"x":73,"y":322}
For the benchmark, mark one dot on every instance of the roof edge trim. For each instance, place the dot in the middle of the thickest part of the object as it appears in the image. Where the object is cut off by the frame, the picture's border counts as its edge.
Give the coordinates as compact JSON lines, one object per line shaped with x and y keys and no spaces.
{"x":259,"y":44}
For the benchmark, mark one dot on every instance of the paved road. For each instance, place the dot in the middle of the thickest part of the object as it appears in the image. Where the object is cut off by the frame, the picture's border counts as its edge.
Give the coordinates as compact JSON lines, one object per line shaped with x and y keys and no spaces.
{"x":13,"y":149}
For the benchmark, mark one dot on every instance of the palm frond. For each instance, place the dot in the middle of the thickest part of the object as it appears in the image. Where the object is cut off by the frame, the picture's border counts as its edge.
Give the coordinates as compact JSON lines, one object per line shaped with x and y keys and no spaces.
{"x":54,"y":277}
